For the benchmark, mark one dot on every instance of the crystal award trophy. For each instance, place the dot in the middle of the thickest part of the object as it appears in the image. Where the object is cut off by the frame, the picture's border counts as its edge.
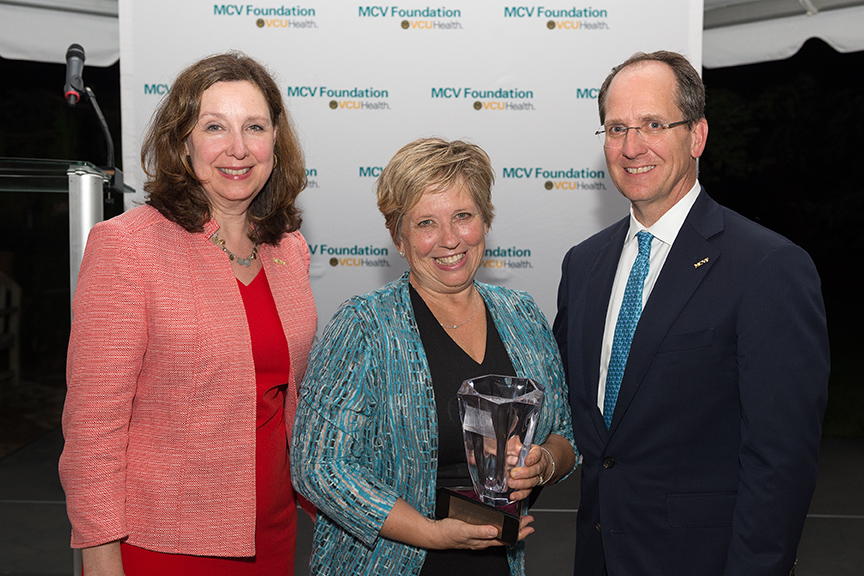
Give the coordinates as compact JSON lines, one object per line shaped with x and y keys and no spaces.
{"x":499,"y":416}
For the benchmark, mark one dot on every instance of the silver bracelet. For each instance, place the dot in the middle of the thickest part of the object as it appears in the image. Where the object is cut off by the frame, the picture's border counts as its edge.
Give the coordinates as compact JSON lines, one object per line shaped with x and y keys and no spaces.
{"x":551,"y":459}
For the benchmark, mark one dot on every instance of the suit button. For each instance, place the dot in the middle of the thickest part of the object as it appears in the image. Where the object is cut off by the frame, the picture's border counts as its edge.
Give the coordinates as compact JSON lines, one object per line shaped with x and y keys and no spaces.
{"x":608,"y":463}
{"x":598,"y":527}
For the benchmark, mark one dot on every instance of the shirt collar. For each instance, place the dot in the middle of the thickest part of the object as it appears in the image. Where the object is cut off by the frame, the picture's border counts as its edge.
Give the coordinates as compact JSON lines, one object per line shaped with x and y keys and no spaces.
{"x":667,"y":227}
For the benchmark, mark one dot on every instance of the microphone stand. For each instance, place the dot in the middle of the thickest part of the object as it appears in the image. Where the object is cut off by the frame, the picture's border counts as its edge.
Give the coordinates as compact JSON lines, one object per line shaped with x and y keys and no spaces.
{"x":115,"y":182}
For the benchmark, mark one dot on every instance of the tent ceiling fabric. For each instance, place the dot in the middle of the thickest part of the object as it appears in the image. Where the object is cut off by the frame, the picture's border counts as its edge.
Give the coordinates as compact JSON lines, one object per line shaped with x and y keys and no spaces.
{"x":740,"y":32}
{"x":735,"y":31}
{"x":720,"y":13}
{"x":42,"y":30}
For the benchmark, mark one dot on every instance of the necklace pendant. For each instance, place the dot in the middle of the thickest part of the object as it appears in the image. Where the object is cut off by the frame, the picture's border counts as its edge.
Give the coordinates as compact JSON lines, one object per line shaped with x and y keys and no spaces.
{"x":473,"y":310}
{"x":215,"y":239}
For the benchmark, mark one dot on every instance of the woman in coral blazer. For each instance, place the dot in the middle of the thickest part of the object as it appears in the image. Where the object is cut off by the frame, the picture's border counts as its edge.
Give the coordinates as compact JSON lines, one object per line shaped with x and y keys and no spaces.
{"x":193,"y":320}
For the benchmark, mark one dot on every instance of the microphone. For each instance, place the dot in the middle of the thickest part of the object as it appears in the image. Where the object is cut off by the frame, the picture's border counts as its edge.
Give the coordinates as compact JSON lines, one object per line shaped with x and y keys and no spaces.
{"x":74,"y":90}
{"x":74,"y":69}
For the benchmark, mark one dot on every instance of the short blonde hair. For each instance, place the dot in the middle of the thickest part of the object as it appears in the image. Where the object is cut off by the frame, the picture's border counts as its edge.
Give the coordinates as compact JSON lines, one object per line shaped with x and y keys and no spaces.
{"x":432,"y":165}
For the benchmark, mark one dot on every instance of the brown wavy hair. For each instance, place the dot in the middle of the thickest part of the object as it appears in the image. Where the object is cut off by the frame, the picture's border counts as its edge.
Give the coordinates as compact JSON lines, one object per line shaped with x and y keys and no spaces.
{"x":171,"y":185}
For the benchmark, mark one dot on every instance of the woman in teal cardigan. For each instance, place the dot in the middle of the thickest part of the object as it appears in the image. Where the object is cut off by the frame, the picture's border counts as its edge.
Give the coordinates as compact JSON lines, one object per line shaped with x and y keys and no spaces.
{"x":375,"y":432}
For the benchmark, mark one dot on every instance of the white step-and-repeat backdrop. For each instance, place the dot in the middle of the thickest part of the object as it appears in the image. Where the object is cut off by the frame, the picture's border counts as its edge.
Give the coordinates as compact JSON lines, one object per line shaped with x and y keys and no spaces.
{"x":361,"y":80}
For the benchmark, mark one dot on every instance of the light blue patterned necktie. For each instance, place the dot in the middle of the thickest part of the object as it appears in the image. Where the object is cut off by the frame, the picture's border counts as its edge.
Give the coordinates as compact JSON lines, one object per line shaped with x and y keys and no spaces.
{"x":628,"y":317}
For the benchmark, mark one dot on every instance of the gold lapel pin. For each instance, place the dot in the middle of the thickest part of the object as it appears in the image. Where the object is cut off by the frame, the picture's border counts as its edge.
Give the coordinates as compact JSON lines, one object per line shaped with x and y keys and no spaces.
{"x":700,"y":263}
{"x":278,"y":261}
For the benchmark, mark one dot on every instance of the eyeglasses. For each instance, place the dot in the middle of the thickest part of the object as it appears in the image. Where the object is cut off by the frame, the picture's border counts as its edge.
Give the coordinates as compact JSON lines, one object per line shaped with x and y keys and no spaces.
{"x":651,"y":130}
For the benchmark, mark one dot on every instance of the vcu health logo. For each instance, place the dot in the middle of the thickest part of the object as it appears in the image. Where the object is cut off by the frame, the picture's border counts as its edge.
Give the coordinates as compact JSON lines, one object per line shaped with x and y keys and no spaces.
{"x":500,"y":99}
{"x":512,"y":257}
{"x":270,"y":17}
{"x":352,"y":256}
{"x":345,"y":98}
{"x":569,"y":179}
{"x":416,"y":18}
{"x":562,"y":18}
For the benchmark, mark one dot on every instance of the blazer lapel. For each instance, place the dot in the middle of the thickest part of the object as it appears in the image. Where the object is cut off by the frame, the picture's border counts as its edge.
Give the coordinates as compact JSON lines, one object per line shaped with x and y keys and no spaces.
{"x":599,"y":288}
{"x":689,"y":261}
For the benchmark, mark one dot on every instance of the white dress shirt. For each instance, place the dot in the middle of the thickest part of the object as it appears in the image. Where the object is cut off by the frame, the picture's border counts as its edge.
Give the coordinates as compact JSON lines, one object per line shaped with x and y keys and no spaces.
{"x":665,"y":230}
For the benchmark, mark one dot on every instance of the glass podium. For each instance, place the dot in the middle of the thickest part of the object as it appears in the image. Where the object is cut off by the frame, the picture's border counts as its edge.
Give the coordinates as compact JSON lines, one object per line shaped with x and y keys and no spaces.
{"x":83,"y":181}
{"x":35,"y":296}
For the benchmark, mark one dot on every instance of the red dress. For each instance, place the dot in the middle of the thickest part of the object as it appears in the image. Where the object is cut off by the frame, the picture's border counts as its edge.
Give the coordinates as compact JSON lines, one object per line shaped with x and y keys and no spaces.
{"x":276,"y":512}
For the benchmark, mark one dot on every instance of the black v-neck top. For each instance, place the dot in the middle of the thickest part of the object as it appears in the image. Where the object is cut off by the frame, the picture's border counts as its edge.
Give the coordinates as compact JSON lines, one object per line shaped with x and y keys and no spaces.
{"x":449,"y":366}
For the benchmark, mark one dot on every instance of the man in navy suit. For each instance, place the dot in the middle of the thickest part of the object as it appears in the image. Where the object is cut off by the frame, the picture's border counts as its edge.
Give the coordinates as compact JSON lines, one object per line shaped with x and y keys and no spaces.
{"x":705,"y":462}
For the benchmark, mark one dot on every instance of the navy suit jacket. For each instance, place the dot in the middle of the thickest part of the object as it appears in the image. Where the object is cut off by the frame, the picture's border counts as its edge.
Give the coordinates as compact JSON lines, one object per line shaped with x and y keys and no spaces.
{"x":709,"y":464}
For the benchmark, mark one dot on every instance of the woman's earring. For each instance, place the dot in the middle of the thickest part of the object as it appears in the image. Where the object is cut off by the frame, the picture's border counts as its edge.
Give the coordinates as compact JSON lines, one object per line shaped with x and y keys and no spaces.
{"x":275,"y":160}
{"x":401,"y":254}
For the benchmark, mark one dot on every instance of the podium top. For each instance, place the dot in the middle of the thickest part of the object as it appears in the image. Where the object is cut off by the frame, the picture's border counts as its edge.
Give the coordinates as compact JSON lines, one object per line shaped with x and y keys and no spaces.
{"x":38,"y":175}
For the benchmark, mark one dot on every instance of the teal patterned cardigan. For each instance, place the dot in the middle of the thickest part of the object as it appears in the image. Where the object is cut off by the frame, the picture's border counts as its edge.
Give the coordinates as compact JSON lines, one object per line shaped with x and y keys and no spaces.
{"x":366,"y":431}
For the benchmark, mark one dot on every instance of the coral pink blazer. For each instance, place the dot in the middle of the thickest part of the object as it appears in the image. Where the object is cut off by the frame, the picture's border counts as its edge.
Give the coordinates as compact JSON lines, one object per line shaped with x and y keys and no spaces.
{"x":159,"y":418}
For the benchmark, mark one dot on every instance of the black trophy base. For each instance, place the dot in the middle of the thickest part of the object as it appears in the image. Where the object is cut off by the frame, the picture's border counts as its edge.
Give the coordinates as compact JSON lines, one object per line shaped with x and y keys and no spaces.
{"x":463,"y":504}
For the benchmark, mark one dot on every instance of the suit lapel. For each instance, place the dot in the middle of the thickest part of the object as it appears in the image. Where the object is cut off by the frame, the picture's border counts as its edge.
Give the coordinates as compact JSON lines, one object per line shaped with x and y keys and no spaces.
{"x":599,"y":288}
{"x":690,"y":259}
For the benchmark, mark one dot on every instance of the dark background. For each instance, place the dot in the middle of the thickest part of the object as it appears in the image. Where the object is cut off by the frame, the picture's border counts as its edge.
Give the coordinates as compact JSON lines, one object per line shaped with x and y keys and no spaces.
{"x":781,"y":150}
